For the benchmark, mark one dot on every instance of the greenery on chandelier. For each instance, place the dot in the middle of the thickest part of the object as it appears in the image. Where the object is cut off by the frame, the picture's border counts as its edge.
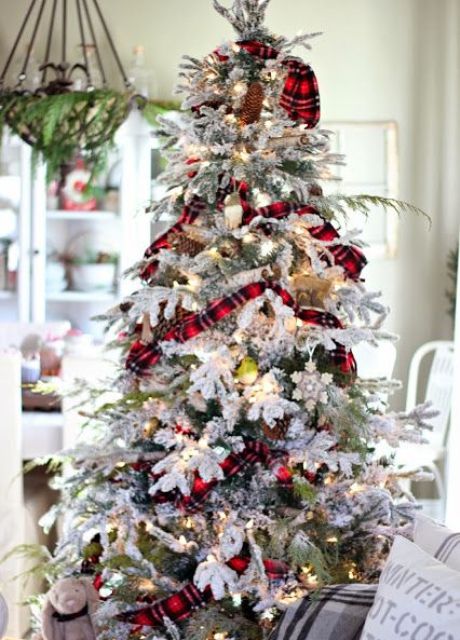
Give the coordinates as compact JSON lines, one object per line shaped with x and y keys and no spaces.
{"x":60,"y":126}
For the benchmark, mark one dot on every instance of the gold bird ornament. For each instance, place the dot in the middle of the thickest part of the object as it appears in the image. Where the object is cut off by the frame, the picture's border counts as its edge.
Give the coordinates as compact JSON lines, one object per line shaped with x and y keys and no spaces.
{"x":311,"y":291}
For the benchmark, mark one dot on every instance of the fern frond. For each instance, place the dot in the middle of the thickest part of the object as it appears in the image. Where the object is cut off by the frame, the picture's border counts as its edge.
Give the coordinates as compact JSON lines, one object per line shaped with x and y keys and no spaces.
{"x":364,"y":203}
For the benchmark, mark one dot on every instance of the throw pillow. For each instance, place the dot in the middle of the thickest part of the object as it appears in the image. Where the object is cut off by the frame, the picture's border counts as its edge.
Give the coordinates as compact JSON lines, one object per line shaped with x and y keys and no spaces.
{"x":336,"y":612}
{"x":438,"y":541}
{"x":418,"y":598}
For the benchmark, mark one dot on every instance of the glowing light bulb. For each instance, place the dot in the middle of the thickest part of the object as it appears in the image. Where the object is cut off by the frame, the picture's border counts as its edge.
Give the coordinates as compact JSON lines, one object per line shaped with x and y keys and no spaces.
{"x":144,"y":584}
{"x":239,"y":88}
{"x":356,"y":488}
{"x":352,"y":574}
{"x":242,"y":155}
{"x":237,"y":599}
{"x":266,"y":248}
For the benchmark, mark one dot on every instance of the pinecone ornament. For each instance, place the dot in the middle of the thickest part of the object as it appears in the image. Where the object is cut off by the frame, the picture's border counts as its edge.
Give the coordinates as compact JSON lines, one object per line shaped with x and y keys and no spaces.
{"x":155,"y":334}
{"x":252,"y":103}
{"x":185,"y":245}
{"x":278,"y":431}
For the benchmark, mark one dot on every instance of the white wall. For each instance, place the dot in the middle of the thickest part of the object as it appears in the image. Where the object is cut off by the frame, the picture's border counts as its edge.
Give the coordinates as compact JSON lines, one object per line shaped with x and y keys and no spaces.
{"x":377,"y":60}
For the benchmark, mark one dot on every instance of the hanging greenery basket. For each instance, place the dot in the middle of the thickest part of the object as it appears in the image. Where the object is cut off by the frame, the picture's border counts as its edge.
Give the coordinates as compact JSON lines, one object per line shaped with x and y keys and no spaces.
{"x":58,"y":127}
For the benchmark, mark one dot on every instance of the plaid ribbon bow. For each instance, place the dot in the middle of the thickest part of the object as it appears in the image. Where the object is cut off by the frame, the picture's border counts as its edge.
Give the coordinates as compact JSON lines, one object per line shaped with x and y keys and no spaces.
{"x":181,"y":605}
{"x":143,"y":356}
{"x":349,"y":257}
{"x":300,"y":96}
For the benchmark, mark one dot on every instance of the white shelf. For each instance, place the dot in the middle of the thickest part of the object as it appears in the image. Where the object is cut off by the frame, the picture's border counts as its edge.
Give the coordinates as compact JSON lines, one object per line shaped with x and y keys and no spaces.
{"x":81,"y":215}
{"x":81,"y":296}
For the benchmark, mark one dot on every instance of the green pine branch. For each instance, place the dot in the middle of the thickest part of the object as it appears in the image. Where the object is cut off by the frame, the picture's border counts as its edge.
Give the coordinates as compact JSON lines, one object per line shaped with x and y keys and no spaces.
{"x":364,"y":203}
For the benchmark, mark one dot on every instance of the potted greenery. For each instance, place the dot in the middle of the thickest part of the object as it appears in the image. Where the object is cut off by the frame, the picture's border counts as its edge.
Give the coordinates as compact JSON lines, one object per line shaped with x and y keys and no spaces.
{"x":93,"y":271}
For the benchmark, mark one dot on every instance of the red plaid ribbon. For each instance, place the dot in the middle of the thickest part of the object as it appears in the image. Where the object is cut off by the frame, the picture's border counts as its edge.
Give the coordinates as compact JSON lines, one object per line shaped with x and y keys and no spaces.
{"x":189,"y":214}
{"x":350,"y":258}
{"x":181,"y":605}
{"x":177,"y":607}
{"x":300,"y":97}
{"x":254,"y":452}
{"x":143,"y":356}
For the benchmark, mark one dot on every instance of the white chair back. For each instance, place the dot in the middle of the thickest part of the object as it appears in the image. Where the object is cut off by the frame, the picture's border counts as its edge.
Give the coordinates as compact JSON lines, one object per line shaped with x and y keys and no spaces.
{"x":439,"y":386}
{"x":375,"y":361}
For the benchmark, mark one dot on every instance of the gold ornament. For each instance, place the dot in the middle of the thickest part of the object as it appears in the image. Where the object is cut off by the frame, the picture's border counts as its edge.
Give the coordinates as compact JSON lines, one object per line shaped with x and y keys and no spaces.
{"x":150,"y":427}
{"x":252,"y":103}
{"x":311,"y":291}
{"x":233,"y":211}
{"x":248,"y":371}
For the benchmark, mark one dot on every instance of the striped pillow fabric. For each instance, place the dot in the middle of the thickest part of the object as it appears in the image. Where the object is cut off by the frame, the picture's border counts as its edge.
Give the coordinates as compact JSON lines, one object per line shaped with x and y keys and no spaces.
{"x":336,"y":612}
{"x":437,"y":540}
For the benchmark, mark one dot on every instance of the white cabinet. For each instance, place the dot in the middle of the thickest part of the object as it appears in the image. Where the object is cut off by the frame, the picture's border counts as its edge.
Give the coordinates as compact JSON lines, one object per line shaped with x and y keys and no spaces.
{"x":40,"y":235}
{"x":15,"y":230}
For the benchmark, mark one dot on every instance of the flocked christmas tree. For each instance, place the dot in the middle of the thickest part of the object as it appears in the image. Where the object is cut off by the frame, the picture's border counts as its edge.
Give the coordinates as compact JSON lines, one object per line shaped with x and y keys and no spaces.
{"x":237,"y":471}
